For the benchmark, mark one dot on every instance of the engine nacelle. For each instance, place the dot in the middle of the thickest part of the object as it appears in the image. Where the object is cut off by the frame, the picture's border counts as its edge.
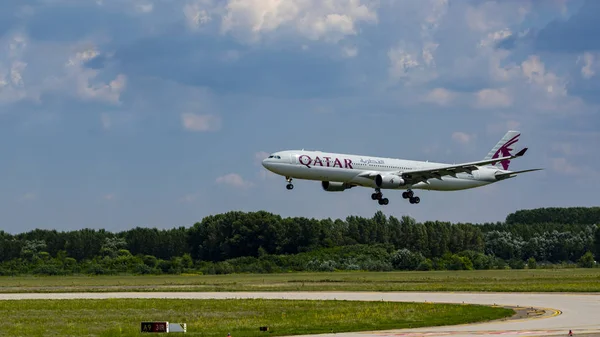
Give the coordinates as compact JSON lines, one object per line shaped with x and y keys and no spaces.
{"x":389,"y":181}
{"x":334,"y":186}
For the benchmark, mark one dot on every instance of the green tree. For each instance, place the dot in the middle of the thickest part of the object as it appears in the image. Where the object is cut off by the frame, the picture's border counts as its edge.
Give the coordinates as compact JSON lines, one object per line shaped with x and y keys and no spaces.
{"x":404,"y":259}
{"x":587,"y":260}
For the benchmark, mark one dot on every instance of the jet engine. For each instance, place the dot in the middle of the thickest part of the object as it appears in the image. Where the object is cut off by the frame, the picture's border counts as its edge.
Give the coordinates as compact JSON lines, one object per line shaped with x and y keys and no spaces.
{"x":334,"y":186}
{"x":388,"y":181}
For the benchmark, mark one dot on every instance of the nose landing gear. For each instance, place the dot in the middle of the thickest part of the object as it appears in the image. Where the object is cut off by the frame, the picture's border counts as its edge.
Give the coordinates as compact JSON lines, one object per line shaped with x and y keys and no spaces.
{"x":289,"y":186}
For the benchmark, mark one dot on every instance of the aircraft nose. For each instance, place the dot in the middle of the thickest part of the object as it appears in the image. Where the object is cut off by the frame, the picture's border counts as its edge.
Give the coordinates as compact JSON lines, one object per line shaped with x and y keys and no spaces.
{"x":267,"y":163}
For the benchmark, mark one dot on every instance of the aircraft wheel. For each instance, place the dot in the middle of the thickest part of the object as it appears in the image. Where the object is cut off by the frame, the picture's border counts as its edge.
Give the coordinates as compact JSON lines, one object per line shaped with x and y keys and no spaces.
{"x":383,"y":201}
{"x":405,"y":195}
{"x":374,"y":196}
{"x":417,"y":200}
{"x":290,"y":186}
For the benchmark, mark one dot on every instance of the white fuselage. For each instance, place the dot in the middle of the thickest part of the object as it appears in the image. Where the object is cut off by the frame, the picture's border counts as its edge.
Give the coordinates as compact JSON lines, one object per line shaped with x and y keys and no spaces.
{"x":346,"y":168}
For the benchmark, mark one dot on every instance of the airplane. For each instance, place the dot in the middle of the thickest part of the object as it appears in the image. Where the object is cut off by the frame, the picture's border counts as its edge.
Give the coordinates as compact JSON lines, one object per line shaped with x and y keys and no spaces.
{"x":339,"y":172}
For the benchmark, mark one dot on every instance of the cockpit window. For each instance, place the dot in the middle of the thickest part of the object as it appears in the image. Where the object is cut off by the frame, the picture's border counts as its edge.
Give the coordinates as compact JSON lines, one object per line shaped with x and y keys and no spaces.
{"x":274,"y":157}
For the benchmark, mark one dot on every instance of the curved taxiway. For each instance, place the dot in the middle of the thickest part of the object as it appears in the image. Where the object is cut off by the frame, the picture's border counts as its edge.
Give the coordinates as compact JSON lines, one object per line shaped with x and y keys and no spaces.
{"x":579,"y":313}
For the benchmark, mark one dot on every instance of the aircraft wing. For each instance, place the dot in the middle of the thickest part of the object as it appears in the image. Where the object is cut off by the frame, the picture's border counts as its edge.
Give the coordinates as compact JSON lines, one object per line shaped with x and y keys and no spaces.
{"x":422,"y":175}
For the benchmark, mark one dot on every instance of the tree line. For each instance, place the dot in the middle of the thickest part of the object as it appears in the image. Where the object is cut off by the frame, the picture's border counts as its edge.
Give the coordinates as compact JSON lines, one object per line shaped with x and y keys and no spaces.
{"x":265,"y":242}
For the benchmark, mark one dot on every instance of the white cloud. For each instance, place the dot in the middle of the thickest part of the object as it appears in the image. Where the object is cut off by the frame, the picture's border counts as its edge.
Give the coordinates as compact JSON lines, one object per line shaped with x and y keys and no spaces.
{"x":588,"y":69}
{"x":401,"y":62}
{"x":82,"y":56}
{"x":350,"y":51}
{"x":535,"y":72}
{"x":144,"y":7}
{"x":493,"y":98}
{"x":197,"y":14}
{"x":494,"y":37}
{"x":502,"y":73}
{"x":313,"y":19}
{"x":17,"y":45}
{"x":546,"y":92}
{"x":28,"y":70}
{"x":440,"y":96}
{"x":427,"y":53}
{"x":83,"y":79}
{"x":129,"y":6}
{"x":489,"y":16}
{"x":233,"y":179}
{"x":413,"y":59}
{"x":462,"y":137}
{"x":529,"y":85}
{"x":416,"y":65}
{"x":194,"y":122}
{"x":9,"y":93}
{"x":476,"y":19}
{"x":16,"y":72}
{"x":495,"y":58}
{"x":438,"y":10}
{"x":12,"y":68}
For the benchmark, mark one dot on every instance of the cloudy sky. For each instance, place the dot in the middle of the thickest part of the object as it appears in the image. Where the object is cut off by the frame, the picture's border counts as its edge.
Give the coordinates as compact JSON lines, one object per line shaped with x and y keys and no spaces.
{"x":124,"y":113}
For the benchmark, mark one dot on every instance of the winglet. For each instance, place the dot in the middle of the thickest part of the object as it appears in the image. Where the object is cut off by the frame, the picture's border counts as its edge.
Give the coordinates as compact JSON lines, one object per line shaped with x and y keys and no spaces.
{"x":522,"y":152}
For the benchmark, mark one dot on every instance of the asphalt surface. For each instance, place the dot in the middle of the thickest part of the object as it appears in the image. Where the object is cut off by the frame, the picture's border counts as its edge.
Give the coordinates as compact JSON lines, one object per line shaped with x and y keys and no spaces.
{"x":541,"y":314}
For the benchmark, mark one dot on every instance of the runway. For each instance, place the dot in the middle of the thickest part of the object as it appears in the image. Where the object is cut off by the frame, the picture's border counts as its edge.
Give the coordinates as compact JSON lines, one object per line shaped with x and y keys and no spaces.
{"x":579,"y":313}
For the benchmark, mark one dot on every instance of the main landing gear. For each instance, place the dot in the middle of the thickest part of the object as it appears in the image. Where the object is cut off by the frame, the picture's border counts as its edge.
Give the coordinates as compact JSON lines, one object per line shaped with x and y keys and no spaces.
{"x":289,"y":186}
{"x":384,"y":201}
{"x":379,"y":197}
{"x":410,"y":196}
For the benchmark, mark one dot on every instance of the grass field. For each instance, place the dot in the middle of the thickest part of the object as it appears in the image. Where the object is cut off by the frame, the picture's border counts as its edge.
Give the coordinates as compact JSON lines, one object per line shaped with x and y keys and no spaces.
{"x":122,"y":317}
{"x":540,"y":280}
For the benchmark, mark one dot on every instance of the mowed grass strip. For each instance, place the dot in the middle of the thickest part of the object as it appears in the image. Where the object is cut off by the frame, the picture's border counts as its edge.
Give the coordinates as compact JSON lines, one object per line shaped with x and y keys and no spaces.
{"x":122,"y":317}
{"x":540,"y":280}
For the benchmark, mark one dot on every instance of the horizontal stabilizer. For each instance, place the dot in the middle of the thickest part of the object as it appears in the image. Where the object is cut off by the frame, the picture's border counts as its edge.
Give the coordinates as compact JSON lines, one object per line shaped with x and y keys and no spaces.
{"x":514,"y":174}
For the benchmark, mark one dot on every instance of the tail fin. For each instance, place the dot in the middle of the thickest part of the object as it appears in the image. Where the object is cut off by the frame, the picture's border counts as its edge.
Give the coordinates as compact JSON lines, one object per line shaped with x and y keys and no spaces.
{"x":503,"y":149}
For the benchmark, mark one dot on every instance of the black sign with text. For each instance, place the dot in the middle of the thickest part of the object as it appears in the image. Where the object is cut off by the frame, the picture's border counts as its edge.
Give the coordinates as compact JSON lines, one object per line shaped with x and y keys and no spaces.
{"x":154,"y":326}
